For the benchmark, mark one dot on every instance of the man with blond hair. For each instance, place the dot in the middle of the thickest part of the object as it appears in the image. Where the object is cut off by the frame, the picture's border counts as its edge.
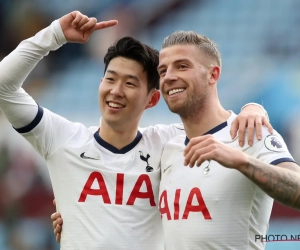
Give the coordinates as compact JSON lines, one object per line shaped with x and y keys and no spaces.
{"x":226,"y":201}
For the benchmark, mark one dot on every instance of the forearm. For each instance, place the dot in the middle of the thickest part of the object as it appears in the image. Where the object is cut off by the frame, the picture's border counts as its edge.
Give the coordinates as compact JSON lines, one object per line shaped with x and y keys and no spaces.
{"x":18,"y":64}
{"x":18,"y":107}
{"x":281,"y":184}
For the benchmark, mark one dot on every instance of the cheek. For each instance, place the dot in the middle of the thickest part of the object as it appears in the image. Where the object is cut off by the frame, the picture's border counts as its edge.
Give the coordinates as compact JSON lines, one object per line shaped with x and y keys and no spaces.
{"x":99,"y":95}
{"x":102,"y":91}
{"x":161,"y":83}
{"x":139,"y":103}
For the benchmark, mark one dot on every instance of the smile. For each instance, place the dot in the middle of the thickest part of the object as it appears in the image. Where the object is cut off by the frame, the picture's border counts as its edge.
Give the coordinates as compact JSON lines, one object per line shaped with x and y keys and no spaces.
{"x":175,"y":91}
{"x":115,"y":105}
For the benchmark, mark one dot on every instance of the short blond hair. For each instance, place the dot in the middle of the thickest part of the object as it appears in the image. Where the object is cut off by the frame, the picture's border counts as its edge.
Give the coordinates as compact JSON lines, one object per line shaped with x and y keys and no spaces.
{"x":192,"y":38}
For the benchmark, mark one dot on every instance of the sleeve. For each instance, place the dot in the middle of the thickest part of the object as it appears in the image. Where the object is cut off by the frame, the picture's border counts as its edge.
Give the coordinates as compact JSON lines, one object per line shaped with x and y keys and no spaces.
{"x":272,"y":149}
{"x":256,"y":104}
{"x":18,"y":107}
{"x":48,"y":132}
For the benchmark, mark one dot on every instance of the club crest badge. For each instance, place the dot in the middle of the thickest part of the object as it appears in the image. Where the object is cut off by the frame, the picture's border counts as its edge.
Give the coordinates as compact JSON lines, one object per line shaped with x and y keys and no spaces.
{"x":145,"y":159}
{"x":274,"y":143}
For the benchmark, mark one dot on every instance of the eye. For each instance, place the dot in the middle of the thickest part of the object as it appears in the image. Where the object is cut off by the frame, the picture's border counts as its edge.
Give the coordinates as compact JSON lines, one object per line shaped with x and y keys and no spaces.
{"x":130,"y":84}
{"x":109,"y":79}
{"x":182,"y":66}
{"x":162,"y":72}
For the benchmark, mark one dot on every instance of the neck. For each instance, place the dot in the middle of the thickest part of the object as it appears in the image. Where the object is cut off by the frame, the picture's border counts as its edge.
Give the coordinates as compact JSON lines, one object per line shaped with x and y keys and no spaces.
{"x":210,"y":116}
{"x":118,"y":137}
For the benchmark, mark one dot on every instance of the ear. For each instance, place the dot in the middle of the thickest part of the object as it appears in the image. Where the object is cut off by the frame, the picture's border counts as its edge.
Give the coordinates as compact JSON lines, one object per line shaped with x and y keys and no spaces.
{"x":155,"y":96}
{"x":215,"y":73}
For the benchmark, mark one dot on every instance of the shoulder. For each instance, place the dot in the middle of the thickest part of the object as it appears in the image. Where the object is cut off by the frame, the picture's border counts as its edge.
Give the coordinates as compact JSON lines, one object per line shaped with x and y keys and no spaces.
{"x":271,"y":148}
{"x":179,"y":139}
{"x":270,"y":141}
{"x":61,"y":124}
{"x":164,"y":132}
{"x":176,"y":143}
{"x":274,"y":142}
{"x":162,"y":128}
{"x":92,"y":129}
{"x":174,"y":147}
{"x":265,"y":137}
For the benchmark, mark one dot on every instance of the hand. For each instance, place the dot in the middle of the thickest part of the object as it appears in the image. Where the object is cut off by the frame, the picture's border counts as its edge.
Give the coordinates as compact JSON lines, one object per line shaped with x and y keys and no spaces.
{"x":251,"y":116}
{"x":57,"y":224}
{"x":78,"y":28}
{"x":206,"y":147}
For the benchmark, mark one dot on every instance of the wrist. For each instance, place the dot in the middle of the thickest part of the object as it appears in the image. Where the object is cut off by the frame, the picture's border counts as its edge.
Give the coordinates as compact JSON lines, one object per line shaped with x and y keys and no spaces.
{"x":256,"y":104}
{"x":58,"y":33}
{"x":243,"y":161}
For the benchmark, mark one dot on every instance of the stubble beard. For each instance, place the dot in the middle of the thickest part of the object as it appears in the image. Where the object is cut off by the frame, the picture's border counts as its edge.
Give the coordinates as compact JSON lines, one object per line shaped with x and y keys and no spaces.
{"x":190,"y":107}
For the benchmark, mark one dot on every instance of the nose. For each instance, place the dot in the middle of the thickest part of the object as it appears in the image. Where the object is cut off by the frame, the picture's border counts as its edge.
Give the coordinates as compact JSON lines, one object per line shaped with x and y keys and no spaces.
{"x":169,"y":76}
{"x":117,"y":90}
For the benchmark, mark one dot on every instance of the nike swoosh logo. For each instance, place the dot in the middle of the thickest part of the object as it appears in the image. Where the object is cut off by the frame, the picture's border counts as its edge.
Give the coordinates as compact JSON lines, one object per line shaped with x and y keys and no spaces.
{"x":87,"y":157}
{"x":167,"y":168}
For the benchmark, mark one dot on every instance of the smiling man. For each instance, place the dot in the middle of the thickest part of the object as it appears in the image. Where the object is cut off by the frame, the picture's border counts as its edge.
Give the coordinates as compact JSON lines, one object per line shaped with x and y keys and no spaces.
{"x":227,"y":200}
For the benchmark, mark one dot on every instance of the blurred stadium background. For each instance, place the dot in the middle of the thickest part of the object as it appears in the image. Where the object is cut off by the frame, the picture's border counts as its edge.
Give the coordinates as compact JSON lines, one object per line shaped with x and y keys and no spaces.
{"x":260,"y":46}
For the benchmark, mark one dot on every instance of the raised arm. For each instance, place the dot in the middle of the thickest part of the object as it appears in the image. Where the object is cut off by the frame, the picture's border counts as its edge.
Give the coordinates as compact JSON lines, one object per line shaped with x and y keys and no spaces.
{"x":18,"y":107}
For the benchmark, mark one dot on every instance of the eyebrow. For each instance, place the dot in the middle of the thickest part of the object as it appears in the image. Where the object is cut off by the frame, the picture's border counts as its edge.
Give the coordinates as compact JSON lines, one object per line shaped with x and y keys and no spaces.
{"x":128,"y":76}
{"x":175,"y":62}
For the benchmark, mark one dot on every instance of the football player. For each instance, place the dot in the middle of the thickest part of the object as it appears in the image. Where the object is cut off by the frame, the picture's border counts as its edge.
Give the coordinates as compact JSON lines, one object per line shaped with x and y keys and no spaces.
{"x":226,"y":200}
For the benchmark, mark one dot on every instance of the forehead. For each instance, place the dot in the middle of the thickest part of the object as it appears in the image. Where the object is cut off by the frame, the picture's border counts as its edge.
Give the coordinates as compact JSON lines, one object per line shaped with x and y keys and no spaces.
{"x":176,"y":52}
{"x":124,"y":66}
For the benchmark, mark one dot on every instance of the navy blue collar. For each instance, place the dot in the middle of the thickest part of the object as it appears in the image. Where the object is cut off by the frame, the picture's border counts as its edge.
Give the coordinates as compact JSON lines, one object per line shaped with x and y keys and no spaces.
{"x":115,"y":150}
{"x":212,"y":131}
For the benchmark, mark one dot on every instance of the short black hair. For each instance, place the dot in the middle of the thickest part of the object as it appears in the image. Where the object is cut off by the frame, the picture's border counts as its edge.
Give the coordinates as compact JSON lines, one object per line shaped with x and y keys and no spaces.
{"x":131,"y":48}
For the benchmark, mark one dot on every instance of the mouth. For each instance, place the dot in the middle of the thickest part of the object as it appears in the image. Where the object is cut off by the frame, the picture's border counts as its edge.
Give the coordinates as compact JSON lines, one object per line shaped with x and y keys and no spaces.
{"x":175,"y":91}
{"x":115,"y":105}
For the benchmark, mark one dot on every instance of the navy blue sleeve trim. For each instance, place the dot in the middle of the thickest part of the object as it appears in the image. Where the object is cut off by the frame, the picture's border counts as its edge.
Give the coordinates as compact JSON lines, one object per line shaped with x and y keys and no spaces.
{"x":34,"y":123}
{"x":282,"y":160}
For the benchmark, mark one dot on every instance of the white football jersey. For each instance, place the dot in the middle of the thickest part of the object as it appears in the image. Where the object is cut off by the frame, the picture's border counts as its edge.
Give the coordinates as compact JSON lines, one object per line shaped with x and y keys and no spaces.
{"x":107,"y":197}
{"x":213,"y":207}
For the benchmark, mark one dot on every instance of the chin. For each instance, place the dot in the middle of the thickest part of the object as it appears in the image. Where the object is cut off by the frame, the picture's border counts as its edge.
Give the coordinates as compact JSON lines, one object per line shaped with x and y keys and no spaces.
{"x":111,"y":118}
{"x":114,"y":123}
{"x":175,"y":109}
